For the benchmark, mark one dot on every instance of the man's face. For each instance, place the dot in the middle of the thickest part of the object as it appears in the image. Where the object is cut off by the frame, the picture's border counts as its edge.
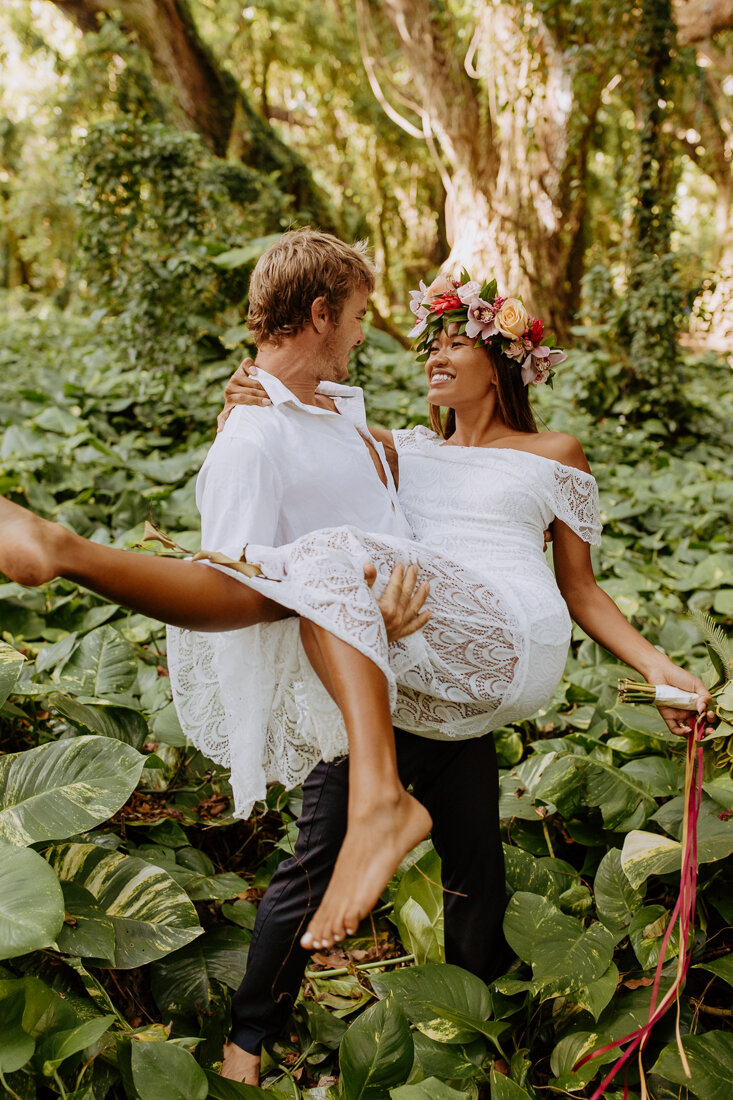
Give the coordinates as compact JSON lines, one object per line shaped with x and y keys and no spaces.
{"x":343,"y":336}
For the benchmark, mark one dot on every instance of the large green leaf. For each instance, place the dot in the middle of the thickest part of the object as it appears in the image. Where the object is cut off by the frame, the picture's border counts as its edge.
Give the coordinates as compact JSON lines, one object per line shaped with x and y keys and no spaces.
{"x":376,"y":1052}
{"x":444,"y":1002}
{"x":429,"y":1089}
{"x":722,"y":967}
{"x":503,"y":1088}
{"x":10,"y":664}
{"x":526,"y":872}
{"x":616,"y":899}
{"x":448,"y":1060}
{"x":64,"y":787}
{"x":418,"y":909}
{"x":165,"y":1070}
{"x":31,"y":902}
{"x":645,"y":854}
{"x":194,"y":975}
{"x":87,"y":930}
{"x":222,"y":1089}
{"x":150,"y":913}
{"x":710,"y":1057}
{"x":103,"y":664}
{"x":646,"y":933}
{"x":565,"y":956}
{"x":62,"y":1044}
{"x":17,"y":1045}
{"x":102,"y":718}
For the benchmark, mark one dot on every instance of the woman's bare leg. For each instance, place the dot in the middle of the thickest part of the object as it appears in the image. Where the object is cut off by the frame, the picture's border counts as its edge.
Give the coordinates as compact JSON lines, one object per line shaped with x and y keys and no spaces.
{"x":181,"y":593}
{"x":384,"y":821}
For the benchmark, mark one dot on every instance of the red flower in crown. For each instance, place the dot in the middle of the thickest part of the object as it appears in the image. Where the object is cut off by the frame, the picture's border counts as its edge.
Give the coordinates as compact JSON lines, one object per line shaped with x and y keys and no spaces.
{"x":444,"y":302}
{"x":536,"y":330}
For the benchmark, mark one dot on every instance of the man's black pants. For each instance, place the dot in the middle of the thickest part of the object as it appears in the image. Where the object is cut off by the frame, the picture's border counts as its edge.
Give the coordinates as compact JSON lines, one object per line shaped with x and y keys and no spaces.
{"x":457,"y":782}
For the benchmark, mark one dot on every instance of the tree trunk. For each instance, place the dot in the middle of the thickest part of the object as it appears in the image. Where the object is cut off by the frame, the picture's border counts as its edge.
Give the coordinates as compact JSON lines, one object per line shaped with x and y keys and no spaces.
{"x":700,"y":19}
{"x":510,"y":133}
{"x":209,"y":98}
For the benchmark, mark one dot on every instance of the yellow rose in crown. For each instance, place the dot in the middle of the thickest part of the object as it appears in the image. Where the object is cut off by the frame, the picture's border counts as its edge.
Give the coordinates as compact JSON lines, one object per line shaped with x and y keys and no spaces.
{"x":511,"y":320}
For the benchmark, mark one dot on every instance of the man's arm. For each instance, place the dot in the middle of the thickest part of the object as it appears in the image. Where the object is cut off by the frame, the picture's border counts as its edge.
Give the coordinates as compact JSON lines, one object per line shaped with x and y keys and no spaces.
{"x":238,"y":492}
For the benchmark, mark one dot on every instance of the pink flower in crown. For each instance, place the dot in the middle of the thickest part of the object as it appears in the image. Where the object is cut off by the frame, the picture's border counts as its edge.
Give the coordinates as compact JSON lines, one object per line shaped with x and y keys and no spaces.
{"x":421,"y":325}
{"x":417,"y":297}
{"x":480,"y":320}
{"x":538,"y":364}
{"x":516,"y":350}
{"x":468,"y":292}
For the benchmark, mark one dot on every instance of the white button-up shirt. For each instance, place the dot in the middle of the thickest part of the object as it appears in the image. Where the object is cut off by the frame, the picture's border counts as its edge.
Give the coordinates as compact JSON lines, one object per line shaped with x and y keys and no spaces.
{"x":280,"y":471}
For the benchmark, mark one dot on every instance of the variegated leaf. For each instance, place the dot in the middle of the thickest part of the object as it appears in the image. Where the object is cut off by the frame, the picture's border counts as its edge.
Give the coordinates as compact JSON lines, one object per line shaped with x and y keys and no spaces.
{"x":10,"y":662}
{"x":150,"y":913}
{"x":64,"y":787}
{"x":31,"y":902}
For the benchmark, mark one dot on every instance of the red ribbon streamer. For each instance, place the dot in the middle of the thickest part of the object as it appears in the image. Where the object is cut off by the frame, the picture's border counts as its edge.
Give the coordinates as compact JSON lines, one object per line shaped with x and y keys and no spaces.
{"x":682,"y":914}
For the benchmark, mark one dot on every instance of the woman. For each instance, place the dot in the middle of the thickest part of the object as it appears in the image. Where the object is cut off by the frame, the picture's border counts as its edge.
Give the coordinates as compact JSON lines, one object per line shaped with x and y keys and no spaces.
{"x":495,"y":647}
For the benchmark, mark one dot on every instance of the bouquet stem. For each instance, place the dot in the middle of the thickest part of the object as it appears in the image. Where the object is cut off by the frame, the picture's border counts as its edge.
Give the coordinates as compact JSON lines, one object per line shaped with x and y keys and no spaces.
{"x":682,"y":915}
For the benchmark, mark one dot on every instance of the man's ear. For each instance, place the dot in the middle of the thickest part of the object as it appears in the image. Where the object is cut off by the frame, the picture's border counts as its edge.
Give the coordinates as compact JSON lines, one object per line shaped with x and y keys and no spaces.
{"x":320,"y":314}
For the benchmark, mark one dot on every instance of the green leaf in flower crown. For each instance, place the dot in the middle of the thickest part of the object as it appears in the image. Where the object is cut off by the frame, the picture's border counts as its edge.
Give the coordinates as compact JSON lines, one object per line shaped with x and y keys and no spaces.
{"x":103,"y":664}
{"x":616,"y":899}
{"x":31,"y":902}
{"x":166,"y":1070}
{"x":194,"y":975}
{"x":10,"y":665}
{"x":64,"y":787}
{"x":710,"y":1057}
{"x":376,"y":1052}
{"x":565,"y":956}
{"x":444,"y":1002}
{"x":62,"y":1044}
{"x":151,"y":914}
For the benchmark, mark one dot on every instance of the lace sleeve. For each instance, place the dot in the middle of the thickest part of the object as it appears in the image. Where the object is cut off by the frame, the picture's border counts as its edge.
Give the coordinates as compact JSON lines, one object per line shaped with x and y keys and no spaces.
{"x":410,"y":439}
{"x":576,"y":503}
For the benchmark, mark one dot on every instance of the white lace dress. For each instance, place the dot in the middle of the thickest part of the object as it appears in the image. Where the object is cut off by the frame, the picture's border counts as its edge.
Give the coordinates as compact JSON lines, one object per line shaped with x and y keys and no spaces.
{"x":492,"y":653}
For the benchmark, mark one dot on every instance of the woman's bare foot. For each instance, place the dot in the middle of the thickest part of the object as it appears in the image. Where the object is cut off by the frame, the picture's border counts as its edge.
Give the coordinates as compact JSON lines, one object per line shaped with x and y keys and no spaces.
{"x":373,"y":847}
{"x":240,"y":1065}
{"x":28,"y":545}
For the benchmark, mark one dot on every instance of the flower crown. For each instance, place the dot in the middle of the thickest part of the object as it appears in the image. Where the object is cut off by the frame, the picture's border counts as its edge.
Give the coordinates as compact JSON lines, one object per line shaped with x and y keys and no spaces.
{"x":489,"y":319}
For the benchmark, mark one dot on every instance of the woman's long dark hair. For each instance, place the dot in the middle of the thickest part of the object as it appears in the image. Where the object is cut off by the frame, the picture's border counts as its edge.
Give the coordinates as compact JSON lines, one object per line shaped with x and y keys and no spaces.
{"x":511,"y":395}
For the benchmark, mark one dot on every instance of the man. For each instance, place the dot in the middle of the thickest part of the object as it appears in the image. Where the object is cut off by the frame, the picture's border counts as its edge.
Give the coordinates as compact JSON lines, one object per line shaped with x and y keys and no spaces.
{"x":308,"y":296}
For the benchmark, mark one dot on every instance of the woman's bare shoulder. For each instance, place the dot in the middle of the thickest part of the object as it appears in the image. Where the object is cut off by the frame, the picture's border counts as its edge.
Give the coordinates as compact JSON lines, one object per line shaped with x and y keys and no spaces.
{"x":562,"y":447}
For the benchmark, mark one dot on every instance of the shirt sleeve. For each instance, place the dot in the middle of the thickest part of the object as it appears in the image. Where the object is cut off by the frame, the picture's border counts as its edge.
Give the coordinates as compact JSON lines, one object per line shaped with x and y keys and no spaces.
{"x":238,"y":491}
{"x":576,"y":502}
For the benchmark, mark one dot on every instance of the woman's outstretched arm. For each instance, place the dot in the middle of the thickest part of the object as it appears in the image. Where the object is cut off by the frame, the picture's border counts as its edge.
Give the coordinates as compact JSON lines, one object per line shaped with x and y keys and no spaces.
{"x":594,"y":611}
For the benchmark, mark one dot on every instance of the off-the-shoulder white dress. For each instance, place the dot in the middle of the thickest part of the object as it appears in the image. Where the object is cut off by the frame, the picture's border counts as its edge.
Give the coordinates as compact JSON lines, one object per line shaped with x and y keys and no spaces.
{"x":492,"y":653}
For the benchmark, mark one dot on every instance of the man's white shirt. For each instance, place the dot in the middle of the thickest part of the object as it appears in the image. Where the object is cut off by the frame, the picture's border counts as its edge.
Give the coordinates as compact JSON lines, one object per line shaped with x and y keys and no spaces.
{"x":280,"y":471}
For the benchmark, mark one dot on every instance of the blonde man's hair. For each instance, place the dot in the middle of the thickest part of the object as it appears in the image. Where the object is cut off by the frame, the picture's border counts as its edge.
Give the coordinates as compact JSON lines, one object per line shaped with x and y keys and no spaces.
{"x":302,"y":266}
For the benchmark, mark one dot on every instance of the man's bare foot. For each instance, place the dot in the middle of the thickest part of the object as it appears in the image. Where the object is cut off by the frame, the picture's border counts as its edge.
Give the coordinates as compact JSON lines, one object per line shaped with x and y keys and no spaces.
{"x":373,"y":847}
{"x":240,"y":1065}
{"x":27,"y":545}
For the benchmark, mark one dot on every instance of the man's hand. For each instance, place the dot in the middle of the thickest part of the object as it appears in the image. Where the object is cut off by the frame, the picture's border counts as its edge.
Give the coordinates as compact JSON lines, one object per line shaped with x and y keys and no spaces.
{"x":680,"y":721}
{"x":402,"y":600}
{"x":241,"y":389}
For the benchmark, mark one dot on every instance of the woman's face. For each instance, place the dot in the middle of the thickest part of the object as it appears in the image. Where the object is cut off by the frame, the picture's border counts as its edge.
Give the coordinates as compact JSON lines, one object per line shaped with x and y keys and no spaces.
{"x":458,"y":373}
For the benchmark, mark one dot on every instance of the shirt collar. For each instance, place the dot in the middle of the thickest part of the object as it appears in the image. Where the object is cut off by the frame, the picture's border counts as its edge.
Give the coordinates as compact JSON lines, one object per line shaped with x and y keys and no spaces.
{"x":349,"y":400}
